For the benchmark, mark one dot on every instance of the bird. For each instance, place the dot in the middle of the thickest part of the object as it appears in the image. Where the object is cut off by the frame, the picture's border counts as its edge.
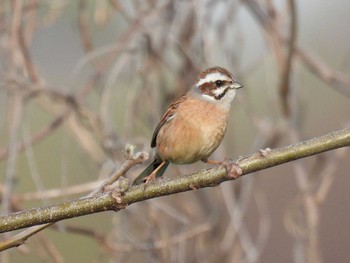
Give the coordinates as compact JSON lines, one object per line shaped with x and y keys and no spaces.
{"x":194,"y":125}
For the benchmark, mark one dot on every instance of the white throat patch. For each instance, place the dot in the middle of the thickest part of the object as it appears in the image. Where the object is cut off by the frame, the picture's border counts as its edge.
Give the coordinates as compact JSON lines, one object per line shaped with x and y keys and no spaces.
{"x":224,"y":102}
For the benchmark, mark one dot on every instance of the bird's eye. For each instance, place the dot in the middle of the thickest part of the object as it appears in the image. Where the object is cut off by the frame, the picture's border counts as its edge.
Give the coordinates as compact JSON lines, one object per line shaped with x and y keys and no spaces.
{"x":219,"y":83}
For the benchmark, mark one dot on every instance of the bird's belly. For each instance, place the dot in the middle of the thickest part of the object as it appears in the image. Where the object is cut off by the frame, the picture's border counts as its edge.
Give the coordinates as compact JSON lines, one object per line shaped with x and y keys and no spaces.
{"x":190,"y":139}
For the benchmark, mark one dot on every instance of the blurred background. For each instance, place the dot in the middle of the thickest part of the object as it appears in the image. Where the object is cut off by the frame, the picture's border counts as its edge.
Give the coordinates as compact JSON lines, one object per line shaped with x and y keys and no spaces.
{"x":79,"y":80}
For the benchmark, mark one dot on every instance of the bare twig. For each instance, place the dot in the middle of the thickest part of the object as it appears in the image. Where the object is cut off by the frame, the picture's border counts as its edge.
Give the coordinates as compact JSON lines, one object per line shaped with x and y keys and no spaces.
{"x":116,"y":201}
{"x":132,"y":160}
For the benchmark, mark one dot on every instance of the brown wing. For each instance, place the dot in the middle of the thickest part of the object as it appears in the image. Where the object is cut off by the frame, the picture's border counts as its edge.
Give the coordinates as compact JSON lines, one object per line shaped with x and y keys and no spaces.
{"x":166,"y":117}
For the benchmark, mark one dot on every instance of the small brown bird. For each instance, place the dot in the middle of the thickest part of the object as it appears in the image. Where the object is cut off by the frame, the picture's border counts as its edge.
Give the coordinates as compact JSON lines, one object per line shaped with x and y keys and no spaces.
{"x":194,"y":124}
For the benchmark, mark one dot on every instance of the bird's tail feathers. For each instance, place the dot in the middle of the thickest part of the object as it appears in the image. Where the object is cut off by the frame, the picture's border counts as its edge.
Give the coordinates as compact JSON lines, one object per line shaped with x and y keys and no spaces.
{"x":149,"y":169}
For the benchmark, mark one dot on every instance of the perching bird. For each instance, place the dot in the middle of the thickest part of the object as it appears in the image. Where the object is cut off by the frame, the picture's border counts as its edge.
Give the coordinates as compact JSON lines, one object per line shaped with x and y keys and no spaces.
{"x":194,"y":125}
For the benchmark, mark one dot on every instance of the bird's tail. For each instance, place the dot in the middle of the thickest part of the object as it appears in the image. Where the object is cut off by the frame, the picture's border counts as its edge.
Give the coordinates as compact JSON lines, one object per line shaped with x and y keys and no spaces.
{"x":149,"y":169}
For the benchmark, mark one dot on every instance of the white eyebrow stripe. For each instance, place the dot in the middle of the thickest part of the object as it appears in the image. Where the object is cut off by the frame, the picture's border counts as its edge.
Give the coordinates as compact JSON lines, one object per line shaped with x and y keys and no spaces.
{"x":213,"y":77}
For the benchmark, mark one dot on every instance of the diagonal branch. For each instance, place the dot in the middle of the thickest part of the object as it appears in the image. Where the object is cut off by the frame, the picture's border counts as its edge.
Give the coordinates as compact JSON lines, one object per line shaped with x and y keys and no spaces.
{"x":116,"y":200}
{"x":338,"y":80}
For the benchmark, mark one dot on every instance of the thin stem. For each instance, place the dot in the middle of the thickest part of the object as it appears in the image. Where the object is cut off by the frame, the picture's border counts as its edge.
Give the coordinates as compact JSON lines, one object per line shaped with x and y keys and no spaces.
{"x":116,"y":201}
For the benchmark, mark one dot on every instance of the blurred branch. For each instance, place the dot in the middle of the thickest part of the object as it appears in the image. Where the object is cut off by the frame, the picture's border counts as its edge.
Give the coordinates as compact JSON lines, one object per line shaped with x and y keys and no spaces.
{"x":338,"y":80}
{"x":116,"y":200}
{"x":284,"y":86}
{"x":111,"y":182}
{"x":40,"y":135}
{"x":72,"y":102}
{"x":121,"y":247}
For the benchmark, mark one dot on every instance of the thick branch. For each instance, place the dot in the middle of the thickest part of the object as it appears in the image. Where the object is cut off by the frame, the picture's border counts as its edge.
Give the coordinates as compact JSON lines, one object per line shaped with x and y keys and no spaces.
{"x":114,"y":201}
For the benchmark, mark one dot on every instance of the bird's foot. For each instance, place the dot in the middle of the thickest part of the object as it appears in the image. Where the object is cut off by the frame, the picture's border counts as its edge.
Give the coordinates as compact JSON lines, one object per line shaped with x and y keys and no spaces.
{"x":233,"y":170}
{"x":212,"y":162}
{"x":150,"y":178}
{"x":227,"y":160}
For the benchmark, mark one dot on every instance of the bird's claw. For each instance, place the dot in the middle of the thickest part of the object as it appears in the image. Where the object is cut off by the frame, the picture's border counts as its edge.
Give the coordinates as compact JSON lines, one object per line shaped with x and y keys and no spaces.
{"x":149,"y":178}
{"x":233,"y":170}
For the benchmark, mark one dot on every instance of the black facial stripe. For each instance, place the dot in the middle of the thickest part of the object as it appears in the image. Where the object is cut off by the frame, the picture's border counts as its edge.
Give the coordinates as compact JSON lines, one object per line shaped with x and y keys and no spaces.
{"x":218,"y":97}
{"x":208,"y":88}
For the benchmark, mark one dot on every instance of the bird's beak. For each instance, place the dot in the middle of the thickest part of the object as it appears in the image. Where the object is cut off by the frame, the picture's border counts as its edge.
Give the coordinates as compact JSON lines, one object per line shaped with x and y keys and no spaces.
{"x":237,"y":85}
